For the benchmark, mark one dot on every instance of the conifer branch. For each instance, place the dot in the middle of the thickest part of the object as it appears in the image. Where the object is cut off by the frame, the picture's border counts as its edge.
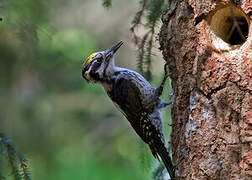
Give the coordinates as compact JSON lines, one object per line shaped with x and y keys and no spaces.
{"x":17,"y":160}
{"x":151,"y":10}
{"x":24,"y":166}
{"x":148,"y":16}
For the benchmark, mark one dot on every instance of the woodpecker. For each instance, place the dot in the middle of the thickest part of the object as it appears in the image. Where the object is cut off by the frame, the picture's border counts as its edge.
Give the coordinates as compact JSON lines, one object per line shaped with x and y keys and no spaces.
{"x":134,"y":96}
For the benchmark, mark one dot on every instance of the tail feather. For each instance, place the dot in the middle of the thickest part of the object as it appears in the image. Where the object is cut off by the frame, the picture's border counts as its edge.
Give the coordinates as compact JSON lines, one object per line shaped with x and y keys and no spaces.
{"x":153,"y":136}
{"x":165,"y":156}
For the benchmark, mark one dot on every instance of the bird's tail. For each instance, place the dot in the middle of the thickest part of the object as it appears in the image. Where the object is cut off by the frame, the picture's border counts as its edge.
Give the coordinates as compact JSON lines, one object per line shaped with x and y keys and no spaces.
{"x":165,"y":156}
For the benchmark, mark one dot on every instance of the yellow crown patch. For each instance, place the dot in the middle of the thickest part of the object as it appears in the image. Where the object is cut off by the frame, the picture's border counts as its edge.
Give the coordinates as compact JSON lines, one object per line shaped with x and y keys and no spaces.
{"x":89,"y":59}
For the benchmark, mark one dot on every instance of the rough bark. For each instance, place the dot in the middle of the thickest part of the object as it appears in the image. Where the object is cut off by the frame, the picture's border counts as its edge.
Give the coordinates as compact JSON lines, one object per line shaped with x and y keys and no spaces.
{"x":212,"y":82}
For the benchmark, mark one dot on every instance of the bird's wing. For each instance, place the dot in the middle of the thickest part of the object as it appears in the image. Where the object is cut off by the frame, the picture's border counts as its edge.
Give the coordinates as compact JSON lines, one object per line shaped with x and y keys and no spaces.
{"x":127,"y":95}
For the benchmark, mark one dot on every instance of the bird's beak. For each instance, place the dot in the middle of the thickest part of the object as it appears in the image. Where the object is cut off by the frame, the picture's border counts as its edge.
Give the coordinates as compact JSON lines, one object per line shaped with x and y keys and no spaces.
{"x":116,"y":47}
{"x":113,"y":50}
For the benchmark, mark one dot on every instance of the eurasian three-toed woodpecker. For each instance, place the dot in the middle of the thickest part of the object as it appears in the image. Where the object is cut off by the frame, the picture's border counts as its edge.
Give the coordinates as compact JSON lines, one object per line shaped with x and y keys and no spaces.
{"x":133,"y":95}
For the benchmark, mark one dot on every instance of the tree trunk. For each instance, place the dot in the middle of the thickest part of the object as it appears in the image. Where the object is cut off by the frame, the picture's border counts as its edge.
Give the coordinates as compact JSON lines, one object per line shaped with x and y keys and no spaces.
{"x":208,"y":46}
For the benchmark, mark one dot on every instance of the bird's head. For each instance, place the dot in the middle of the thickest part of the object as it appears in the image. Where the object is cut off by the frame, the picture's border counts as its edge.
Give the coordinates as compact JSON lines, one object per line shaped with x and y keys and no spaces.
{"x":99,"y":65}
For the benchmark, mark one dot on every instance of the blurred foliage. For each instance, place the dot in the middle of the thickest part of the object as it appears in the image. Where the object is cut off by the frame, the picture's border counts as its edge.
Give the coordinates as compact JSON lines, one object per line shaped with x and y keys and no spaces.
{"x":107,"y":3}
{"x":67,"y":128}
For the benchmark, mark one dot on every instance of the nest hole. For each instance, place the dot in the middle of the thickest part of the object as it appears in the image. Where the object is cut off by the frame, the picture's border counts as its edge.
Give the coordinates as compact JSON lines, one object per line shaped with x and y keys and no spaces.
{"x":230,"y":24}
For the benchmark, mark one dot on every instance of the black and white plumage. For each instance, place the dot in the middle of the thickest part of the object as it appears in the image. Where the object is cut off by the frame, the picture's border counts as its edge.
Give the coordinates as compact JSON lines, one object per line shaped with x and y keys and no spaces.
{"x":134,"y":96}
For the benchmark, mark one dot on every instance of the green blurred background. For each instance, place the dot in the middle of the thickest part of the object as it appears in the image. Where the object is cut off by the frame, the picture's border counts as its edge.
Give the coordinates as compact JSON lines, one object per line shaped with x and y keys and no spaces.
{"x":67,"y":128}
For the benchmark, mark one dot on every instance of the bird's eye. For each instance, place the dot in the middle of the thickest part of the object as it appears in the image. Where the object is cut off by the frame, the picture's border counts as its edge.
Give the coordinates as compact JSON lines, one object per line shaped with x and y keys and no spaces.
{"x":99,"y":59}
